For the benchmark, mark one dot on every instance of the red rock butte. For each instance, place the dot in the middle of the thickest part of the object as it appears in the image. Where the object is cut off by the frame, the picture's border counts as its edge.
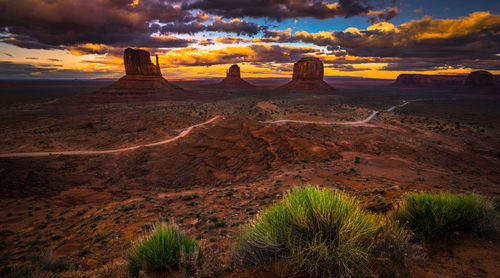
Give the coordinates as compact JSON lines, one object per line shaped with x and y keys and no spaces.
{"x":138,"y":62}
{"x":427,"y":80}
{"x":480,"y":78}
{"x":142,"y":79}
{"x":233,"y":79}
{"x":308,"y":76}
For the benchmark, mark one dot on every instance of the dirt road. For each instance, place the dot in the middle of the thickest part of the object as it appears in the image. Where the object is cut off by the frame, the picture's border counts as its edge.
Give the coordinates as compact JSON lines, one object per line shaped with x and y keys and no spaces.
{"x":185,"y":132}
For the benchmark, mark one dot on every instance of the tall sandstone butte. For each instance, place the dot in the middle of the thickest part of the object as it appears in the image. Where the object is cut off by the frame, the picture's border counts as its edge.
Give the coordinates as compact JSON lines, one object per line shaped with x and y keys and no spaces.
{"x":233,"y":79}
{"x":308,"y":68}
{"x":308,"y":76}
{"x":138,"y":62}
{"x":142,"y":79}
{"x":233,"y":71}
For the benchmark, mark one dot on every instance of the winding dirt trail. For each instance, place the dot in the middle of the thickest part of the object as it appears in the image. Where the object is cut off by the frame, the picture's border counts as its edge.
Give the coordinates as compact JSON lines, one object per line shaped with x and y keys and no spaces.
{"x":361,"y":122}
{"x":326,"y":123}
{"x":397,"y":106}
{"x":187,"y":130}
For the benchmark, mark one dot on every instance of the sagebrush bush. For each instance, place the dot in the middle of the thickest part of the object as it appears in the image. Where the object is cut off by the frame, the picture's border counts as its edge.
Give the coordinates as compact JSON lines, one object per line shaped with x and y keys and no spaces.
{"x":440,"y":214}
{"x":319,"y":232}
{"x":162,"y":250}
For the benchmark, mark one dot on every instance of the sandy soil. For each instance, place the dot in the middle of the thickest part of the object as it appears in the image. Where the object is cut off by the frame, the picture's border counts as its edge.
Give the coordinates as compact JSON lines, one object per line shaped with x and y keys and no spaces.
{"x":215,"y":178}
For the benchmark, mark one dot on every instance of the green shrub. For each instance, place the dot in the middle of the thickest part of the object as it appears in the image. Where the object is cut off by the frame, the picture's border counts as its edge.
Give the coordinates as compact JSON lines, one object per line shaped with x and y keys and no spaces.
{"x":319,"y":232}
{"x":435,"y":215}
{"x":162,"y":250}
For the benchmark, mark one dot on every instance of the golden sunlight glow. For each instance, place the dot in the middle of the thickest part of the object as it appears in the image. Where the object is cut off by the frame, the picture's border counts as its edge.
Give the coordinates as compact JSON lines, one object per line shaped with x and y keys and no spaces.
{"x":261,"y":56}
{"x":134,"y":3}
{"x":447,"y":28}
{"x":382,"y":26}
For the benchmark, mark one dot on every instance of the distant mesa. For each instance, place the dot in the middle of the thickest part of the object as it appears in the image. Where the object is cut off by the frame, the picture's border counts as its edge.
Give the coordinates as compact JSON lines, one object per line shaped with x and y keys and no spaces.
{"x":233,"y":80}
{"x":429,"y":81}
{"x":308,"y":76}
{"x":142,"y":79}
{"x":480,"y":78}
{"x":475,"y":79}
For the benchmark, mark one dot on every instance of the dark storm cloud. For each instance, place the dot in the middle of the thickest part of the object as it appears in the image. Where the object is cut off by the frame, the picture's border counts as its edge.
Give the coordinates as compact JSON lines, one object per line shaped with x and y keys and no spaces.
{"x":27,"y":42}
{"x":483,"y":44}
{"x":235,"y":26}
{"x":11,"y":70}
{"x":413,"y":66}
{"x":280,"y":54}
{"x":231,"y":40}
{"x":183,"y":28}
{"x":475,"y":36}
{"x":283,"y":9}
{"x":117,"y":51}
{"x":346,"y":67}
{"x":436,"y":43}
{"x":440,"y":64}
{"x":383,"y":15}
{"x":276,"y":36}
{"x":49,"y":41}
{"x":274,"y":67}
{"x":57,"y":23}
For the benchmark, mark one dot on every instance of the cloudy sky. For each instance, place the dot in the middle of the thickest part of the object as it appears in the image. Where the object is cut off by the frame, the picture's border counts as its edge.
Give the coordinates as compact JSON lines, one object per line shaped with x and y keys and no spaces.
{"x":201,"y":38}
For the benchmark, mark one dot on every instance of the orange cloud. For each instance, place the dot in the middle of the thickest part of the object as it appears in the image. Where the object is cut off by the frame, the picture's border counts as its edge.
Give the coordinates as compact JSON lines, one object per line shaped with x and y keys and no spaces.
{"x":429,"y":28}
{"x":256,"y":53}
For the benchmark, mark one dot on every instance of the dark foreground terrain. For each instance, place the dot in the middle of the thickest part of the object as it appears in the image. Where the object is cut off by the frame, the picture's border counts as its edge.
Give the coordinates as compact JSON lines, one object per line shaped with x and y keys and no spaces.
{"x":89,"y":209}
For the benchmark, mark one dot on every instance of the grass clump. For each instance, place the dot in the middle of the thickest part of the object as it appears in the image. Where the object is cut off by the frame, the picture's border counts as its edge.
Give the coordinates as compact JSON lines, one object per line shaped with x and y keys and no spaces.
{"x":440,"y":214}
{"x":163,"y":250}
{"x":319,"y":232}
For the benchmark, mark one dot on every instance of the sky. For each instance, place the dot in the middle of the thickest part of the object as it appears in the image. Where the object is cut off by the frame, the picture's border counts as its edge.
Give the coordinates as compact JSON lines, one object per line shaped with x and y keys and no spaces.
{"x":85,"y":39}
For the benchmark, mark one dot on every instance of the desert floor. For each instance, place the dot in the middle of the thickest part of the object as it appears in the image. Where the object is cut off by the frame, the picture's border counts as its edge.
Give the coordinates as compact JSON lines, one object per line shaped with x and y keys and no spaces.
{"x":91,"y":207}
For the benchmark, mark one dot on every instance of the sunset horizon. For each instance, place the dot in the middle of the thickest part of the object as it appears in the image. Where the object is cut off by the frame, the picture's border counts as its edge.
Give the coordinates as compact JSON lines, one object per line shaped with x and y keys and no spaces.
{"x":201,"y":39}
{"x":249,"y":138}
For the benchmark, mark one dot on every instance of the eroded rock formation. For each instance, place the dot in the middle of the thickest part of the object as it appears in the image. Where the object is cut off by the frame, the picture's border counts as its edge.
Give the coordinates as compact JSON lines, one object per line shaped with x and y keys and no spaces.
{"x":308,"y":76}
{"x":480,"y":78}
{"x":234,"y":71}
{"x":143,"y":79}
{"x":138,"y":62}
{"x":431,"y":81}
{"x":233,"y":80}
{"x":308,"y":68}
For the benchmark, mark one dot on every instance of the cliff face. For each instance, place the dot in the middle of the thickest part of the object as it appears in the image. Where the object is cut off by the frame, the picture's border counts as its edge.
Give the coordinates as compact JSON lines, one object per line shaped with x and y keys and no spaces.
{"x":308,"y":68}
{"x":422,"y":80}
{"x":138,"y":62}
{"x":143,"y":80}
{"x":480,"y":78}
{"x":234,"y":71}
{"x":233,"y":80}
{"x":308,"y":76}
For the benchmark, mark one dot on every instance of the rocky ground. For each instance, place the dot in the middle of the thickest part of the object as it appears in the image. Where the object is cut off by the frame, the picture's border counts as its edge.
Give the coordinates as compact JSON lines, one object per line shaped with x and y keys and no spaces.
{"x":90,"y":209}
